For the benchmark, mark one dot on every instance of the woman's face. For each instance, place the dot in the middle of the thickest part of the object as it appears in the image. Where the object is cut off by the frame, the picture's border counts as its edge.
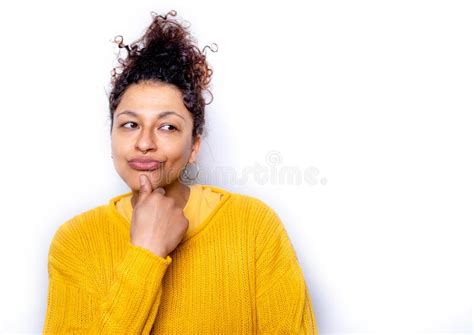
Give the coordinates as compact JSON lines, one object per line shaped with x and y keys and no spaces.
{"x":152,"y":122}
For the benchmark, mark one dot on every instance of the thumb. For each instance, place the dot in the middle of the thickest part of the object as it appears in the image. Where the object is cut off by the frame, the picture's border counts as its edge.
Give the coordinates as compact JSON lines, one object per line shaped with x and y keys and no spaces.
{"x":145,"y":187}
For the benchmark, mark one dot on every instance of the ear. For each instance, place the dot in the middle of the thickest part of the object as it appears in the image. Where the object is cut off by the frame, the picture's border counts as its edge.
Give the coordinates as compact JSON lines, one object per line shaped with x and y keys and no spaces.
{"x":195,"y":149}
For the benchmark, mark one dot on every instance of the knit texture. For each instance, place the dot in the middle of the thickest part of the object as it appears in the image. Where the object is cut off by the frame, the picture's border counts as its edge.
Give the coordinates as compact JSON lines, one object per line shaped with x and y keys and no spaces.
{"x":236,"y":273}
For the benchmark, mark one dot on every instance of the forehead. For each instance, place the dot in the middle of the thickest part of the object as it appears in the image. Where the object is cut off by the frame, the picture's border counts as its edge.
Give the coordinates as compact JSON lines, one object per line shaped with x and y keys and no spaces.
{"x":150,"y":99}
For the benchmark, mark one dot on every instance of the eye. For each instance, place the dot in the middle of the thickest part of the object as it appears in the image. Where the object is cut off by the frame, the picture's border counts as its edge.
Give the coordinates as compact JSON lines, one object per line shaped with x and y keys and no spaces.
{"x":123,"y":124}
{"x":170,"y":125}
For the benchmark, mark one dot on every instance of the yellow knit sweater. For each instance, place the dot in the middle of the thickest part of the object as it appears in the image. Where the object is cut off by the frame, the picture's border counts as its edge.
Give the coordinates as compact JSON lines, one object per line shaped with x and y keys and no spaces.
{"x":235,"y":273}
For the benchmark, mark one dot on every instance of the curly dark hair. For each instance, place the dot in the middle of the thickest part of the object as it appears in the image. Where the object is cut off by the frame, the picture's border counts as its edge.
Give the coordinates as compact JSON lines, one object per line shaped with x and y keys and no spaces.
{"x":165,"y":53}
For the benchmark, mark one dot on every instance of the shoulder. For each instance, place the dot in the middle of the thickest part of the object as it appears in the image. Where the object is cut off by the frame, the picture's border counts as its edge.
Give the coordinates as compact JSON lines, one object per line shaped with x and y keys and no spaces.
{"x":84,"y":218}
{"x":72,"y":232}
{"x":251,"y":209}
{"x":253,"y":205}
{"x":263,"y":216}
{"x":271,"y":236}
{"x":245,"y":202}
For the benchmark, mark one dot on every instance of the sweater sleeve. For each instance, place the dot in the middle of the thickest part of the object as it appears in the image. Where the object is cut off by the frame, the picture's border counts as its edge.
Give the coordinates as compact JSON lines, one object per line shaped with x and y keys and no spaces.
{"x":283,"y":301}
{"x":128,"y":306}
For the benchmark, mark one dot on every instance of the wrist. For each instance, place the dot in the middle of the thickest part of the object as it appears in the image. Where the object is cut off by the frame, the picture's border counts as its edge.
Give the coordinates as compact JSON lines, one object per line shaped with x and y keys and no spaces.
{"x":157,"y":251}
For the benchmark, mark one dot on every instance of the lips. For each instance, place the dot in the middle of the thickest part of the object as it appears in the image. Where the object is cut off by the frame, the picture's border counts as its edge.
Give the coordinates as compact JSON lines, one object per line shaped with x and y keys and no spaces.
{"x":144,"y":164}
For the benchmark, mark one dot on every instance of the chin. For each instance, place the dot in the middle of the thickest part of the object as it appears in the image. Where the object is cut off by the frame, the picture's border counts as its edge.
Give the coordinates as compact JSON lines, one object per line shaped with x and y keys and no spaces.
{"x":157,"y":178}
{"x":135,"y":185}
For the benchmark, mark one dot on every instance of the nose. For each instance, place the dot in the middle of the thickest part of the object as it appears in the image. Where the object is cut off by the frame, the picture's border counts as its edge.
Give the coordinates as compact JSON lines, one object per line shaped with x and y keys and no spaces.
{"x":145,"y":141}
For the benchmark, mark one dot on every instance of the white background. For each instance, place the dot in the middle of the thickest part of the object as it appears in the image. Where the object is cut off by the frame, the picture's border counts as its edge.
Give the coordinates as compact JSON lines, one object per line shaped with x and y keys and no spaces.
{"x":376,"y":96}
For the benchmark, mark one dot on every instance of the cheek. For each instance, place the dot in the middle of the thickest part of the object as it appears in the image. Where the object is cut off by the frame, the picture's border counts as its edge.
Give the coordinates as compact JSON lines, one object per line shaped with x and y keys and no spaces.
{"x":173,"y":147}
{"x":118,"y":144}
{"x":116,"y":152}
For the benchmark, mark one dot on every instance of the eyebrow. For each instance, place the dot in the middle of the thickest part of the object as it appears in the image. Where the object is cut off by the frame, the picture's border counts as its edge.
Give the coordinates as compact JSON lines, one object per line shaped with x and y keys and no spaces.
{"x":161,"y":115}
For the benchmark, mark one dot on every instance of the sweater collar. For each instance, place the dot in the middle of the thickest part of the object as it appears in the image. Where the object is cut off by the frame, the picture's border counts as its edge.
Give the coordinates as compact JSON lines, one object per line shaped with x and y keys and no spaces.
{"x":226,"y":195}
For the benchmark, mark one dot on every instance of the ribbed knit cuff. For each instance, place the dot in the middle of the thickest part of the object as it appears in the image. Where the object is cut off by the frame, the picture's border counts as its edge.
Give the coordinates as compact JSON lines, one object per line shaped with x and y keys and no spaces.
{"x":141,"y":263}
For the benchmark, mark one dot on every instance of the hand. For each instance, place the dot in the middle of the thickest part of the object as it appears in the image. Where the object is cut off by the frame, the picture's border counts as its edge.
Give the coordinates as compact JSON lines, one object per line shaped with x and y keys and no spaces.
{"x":158,"y":224}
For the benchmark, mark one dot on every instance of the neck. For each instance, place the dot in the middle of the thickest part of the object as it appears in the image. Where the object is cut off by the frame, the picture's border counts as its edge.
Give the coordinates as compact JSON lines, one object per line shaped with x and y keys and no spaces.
{"x":176,"y":190}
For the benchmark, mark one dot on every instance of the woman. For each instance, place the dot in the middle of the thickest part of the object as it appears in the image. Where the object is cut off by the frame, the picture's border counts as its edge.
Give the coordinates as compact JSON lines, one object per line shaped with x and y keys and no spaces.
{"x":168,"y":258}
